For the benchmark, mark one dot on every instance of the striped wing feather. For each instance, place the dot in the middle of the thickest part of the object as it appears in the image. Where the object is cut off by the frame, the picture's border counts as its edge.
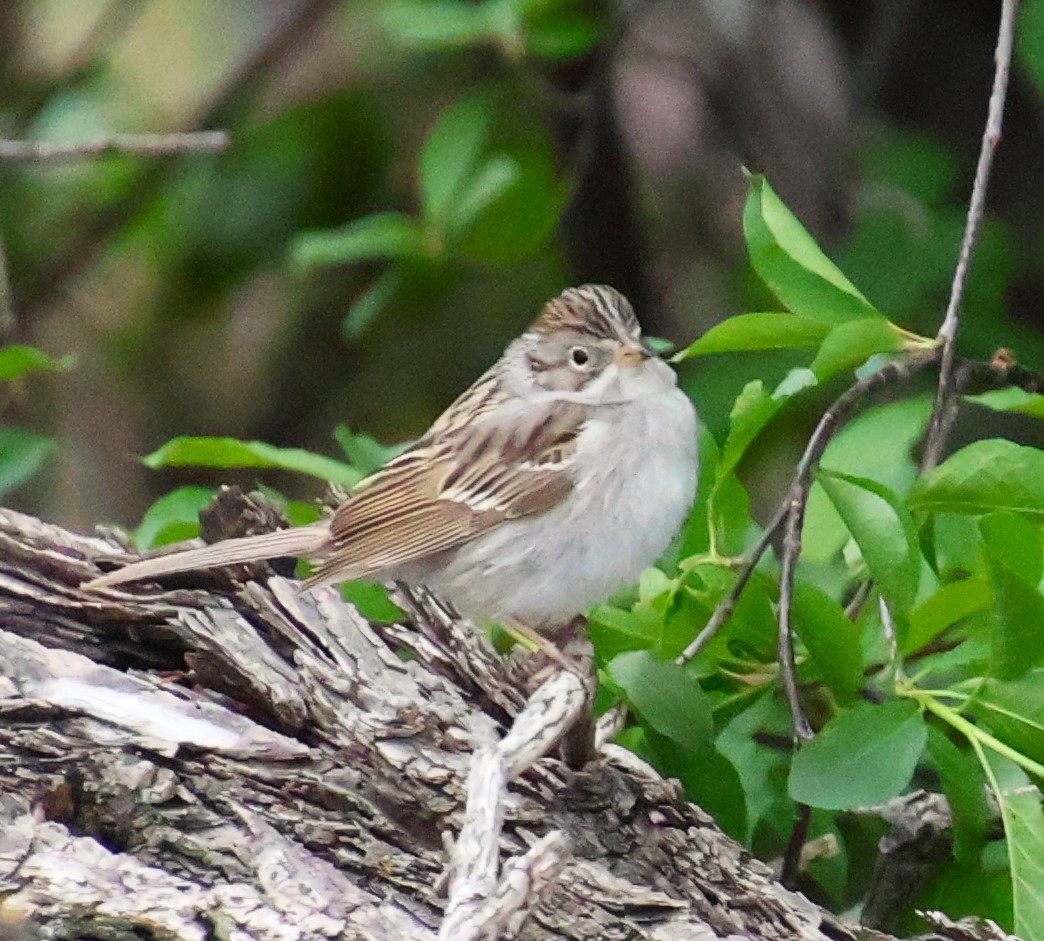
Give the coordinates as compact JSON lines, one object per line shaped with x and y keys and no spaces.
{"x":455,"y":484}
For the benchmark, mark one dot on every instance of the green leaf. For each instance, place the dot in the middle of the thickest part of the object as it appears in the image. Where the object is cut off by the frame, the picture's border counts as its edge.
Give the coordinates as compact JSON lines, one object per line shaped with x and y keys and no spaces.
{"x":944,"y":608}
{"x":491,"y":181}
{"x":1018,"y":629}
{"x":231,"y":452}
{"x":788,"y":260}
{"x":852,"y":343}
{"x":1024,"y":833}
{"x":665,"y":697}
{"x":709,"y":777}
{"x":987,"y":475}
{"x":22,"y":453}
{"x":16,"y":361}
{"x":451,"y":153}
{"x":173,"y":517}
{"x":435,"y":24}
{"x":877,"y":444}
{"x":564,"y":37}
{"x":1014,"y":711}
{"x":382,"y":235}
{"x":831,"y":638}
{"x":753,"y":410}
{"x":369,"y":305}
{"x":371,"y":601}
{"x":1012,"y":399}
{"x":768,"y":331}
{"x":1030,"y":41}
{"x":1015,"y":541}
{"x":864,"y":755}
{"x":363,"y":452}
{"x":964,"y":785}
{"x":884,"y":531}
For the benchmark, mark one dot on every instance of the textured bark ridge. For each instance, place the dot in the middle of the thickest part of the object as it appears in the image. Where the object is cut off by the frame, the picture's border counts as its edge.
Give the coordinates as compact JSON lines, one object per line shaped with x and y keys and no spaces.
{"x":237,"y":760}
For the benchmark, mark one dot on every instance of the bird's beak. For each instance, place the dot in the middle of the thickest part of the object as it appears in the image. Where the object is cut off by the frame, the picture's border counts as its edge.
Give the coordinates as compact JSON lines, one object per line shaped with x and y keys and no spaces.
{"x":631,"y":355}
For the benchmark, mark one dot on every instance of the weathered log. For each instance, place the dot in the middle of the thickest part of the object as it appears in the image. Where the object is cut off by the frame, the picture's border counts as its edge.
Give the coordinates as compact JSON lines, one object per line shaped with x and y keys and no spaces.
{"x":216,"y":759}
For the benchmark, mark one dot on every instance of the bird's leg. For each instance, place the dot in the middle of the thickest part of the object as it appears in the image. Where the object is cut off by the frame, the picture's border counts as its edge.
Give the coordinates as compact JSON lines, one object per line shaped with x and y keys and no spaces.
{"x":537,"y":642}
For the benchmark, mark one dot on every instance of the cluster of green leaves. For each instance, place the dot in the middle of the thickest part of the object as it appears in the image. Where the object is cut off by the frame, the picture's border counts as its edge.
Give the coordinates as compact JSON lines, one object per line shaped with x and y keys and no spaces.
{"x":23,"y":452}
{"x":955,"y":702}
{"x":488,"y":195}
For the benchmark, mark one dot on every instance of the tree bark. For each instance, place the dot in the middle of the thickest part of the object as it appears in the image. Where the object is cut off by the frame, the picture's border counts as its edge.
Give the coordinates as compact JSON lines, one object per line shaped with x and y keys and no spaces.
{"x":225,"y":759}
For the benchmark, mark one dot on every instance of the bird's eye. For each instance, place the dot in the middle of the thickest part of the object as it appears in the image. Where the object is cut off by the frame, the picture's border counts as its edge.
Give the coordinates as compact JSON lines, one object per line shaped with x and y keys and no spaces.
{"x":579,"y":357}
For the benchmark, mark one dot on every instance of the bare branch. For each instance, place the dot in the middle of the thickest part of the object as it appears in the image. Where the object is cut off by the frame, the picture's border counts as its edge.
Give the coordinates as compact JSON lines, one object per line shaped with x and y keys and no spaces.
{"x":148,"y":145}
{"x":938,"y":426}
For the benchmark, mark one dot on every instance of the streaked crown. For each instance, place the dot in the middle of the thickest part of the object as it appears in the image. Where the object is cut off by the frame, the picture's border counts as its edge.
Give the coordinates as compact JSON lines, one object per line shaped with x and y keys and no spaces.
{"x":595,"y":309}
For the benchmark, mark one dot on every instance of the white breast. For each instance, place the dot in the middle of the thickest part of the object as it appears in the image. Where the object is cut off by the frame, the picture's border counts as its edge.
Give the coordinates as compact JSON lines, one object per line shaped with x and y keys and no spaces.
{"x":634,"y":482}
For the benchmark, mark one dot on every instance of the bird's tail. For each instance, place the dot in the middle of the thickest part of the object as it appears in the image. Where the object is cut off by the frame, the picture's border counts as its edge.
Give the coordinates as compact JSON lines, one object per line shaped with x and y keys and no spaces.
{"x":299,"y":541}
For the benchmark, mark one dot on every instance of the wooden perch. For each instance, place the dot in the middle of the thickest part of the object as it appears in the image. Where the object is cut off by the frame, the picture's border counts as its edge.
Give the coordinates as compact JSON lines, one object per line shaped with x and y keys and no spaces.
{"x":238,"y":760}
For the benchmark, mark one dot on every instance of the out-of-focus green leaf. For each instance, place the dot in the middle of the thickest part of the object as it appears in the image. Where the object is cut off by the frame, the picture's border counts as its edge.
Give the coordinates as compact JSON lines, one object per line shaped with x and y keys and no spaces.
{"x":1030,"y":41}
{"x":914,"y":163}
{"x":864,"y":755}
{"x":831,"y":638}
{"x":884,"y":531}
{"x":369,"y":305}
{"x":382,"y":235}
{"x":451,"y":154}
{"x":173,"y":517}
{"x":364,"y":453}
{"x":231,"y":452}
{"x":665,"y":697}
{"x":788,"y":260}
{"x":761,"y":331}
{"x":490,"y":181}
{"x":517,"y":220}
{"x":988,"y":475}
{"x":963,"y":784}
{"x":556,"y":33}
{"x":1012,"y":399}
{"x":945,"y":607}
{"x":22,"y":454}
{"x":437,"y":24}
{"x":853,"y":342}
{"x":16,"y":361}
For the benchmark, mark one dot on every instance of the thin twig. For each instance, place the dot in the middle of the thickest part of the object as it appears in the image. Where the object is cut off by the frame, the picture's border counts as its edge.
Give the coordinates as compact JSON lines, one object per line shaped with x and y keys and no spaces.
{"x":725,"y":607}
{"x":191,"y":142}
{"x":940,"y":421}
{"x":797,"y":500}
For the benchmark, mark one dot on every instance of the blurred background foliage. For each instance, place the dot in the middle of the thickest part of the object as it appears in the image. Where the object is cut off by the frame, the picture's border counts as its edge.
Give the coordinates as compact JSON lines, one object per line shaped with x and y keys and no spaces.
{"x":495,"y":152}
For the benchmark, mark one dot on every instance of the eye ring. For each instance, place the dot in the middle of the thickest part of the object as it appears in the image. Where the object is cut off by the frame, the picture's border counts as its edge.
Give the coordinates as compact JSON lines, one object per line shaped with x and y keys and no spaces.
{"x":579,"y":358}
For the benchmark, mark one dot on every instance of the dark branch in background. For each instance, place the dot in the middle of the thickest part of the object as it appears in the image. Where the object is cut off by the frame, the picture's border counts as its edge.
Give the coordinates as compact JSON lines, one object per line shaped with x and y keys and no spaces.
{"x":7,"y":314}
{"x":53,"y":279}
{"x":192,"y":142}
{"x":943,"y":412}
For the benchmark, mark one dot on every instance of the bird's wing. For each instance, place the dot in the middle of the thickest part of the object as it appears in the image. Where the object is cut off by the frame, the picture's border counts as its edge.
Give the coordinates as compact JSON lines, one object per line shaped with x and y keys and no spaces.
{"x":483,"y":462}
